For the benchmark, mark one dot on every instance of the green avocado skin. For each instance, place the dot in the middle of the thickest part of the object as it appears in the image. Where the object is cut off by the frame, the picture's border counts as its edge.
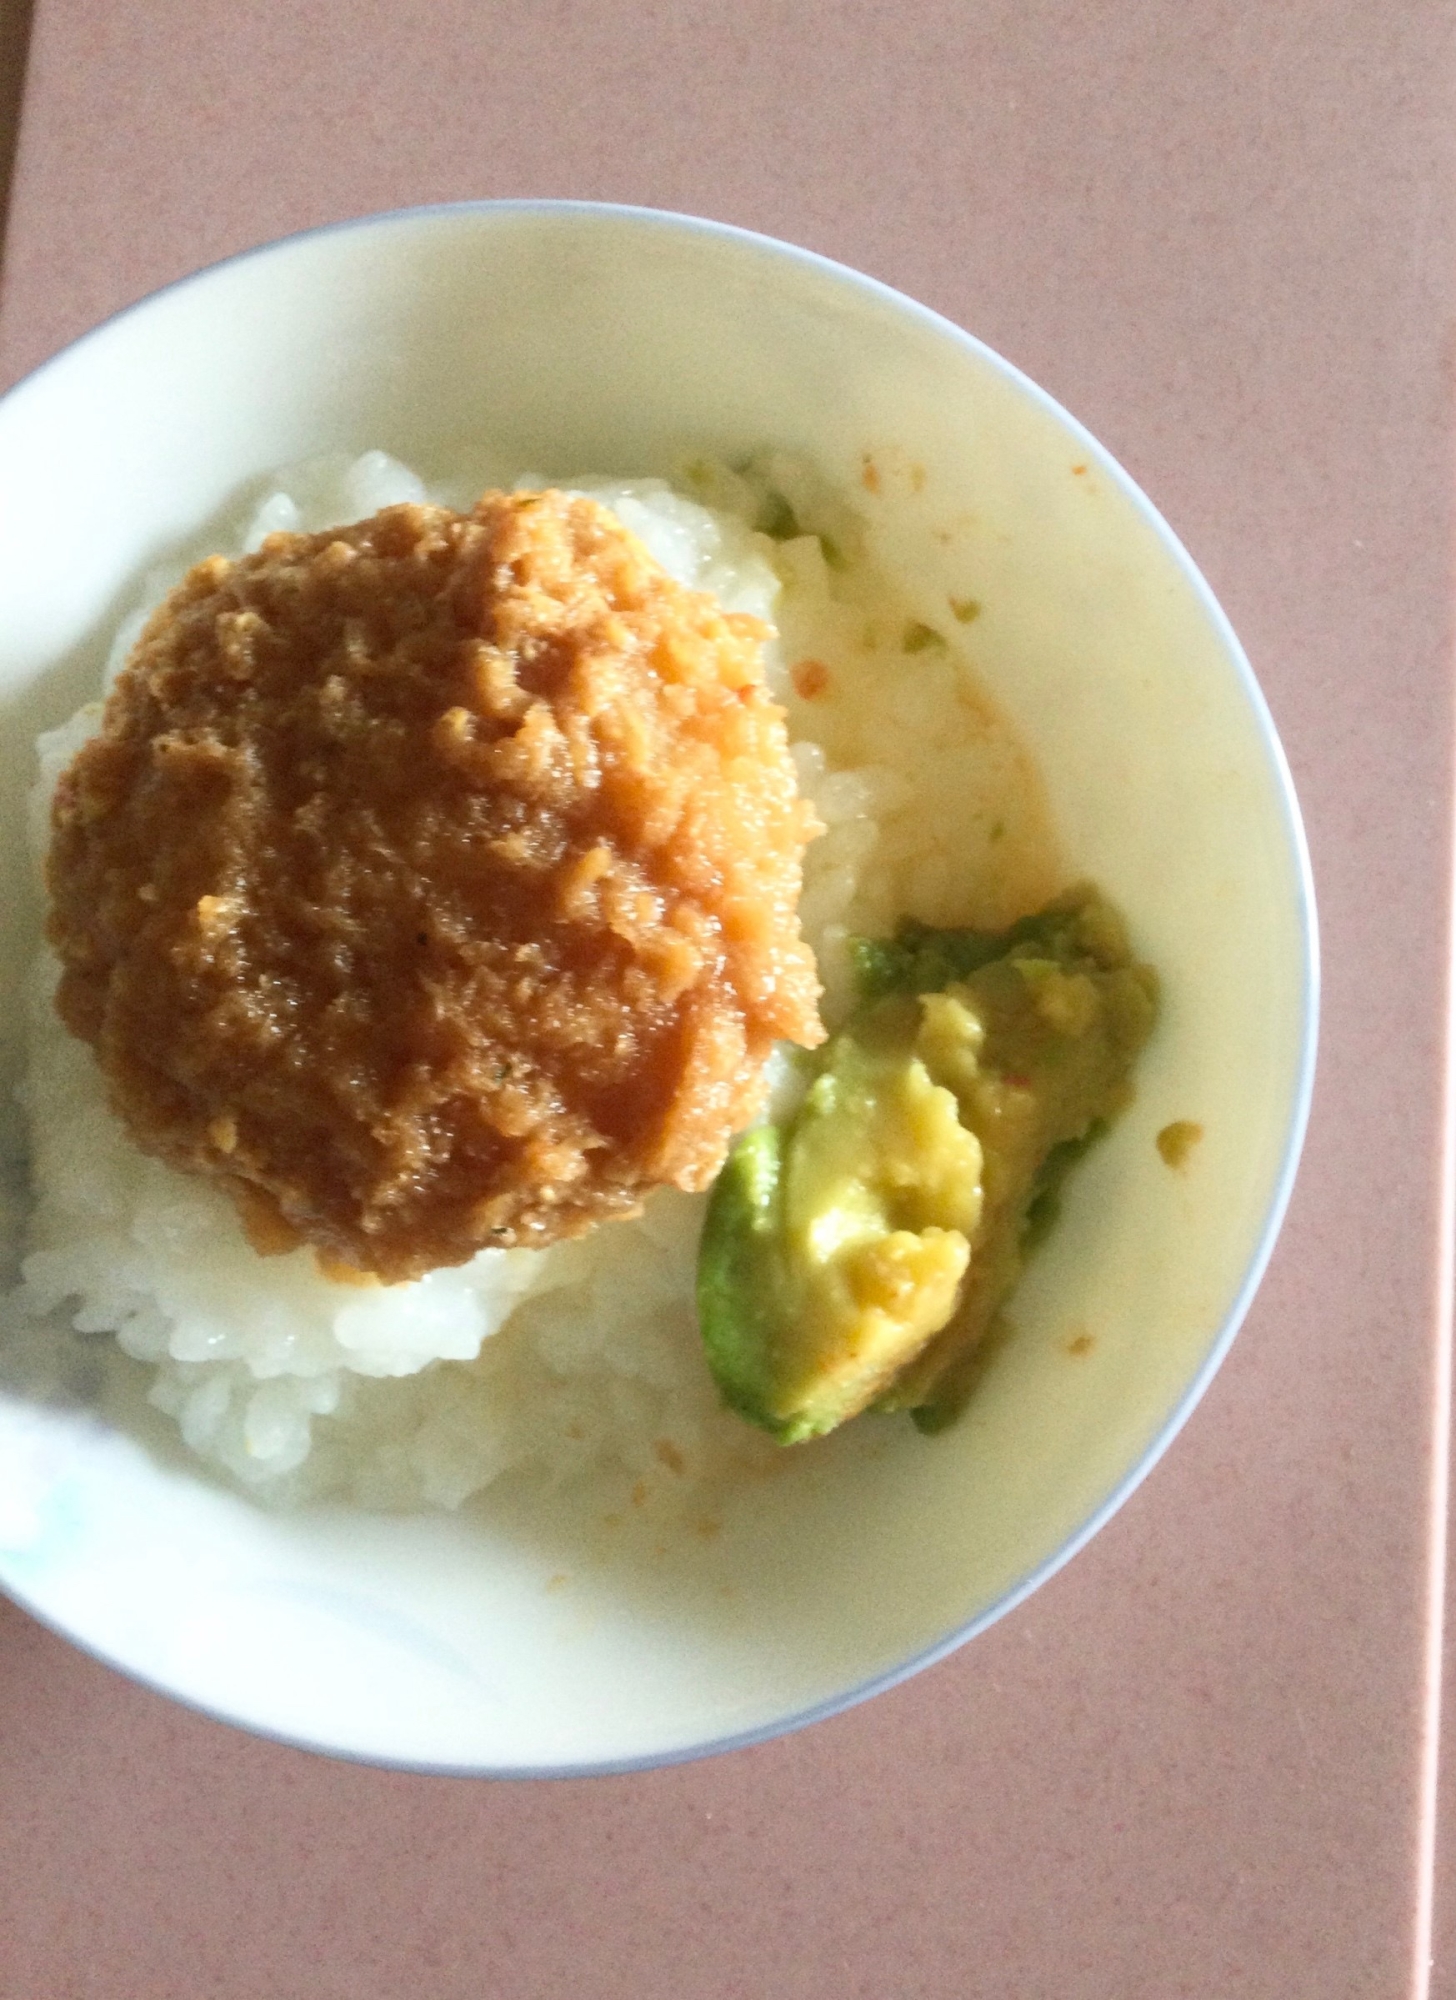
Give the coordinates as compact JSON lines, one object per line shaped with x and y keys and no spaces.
{"x":744,"y":1302}
{"x":1035,"y":1037}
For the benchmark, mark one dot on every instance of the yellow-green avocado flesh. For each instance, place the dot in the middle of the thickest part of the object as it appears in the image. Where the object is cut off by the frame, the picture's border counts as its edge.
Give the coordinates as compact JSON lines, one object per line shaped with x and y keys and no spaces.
{"x":857,"y":1253}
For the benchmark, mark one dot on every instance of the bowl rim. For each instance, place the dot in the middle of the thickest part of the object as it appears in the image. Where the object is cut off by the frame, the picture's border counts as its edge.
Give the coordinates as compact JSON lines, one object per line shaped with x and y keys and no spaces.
{"x":1297,"y":1120}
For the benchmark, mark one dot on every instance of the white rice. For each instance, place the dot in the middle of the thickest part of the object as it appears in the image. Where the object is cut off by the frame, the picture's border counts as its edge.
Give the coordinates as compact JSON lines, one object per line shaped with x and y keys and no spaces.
{"x":585,"y":1355}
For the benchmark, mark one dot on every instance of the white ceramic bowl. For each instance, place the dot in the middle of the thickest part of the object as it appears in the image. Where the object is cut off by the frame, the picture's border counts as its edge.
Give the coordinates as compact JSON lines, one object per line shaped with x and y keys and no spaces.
{"x":561,"y":337}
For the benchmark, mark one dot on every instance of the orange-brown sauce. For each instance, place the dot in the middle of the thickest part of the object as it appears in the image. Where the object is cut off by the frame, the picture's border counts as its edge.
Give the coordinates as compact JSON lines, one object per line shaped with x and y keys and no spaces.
{"x":433,"y":882}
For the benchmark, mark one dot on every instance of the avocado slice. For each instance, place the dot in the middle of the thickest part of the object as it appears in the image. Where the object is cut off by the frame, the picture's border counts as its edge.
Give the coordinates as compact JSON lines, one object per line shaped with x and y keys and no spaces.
{"x":834,"y":1248}
{"x":1064,"y":1013}
{"x":859,"y":1253}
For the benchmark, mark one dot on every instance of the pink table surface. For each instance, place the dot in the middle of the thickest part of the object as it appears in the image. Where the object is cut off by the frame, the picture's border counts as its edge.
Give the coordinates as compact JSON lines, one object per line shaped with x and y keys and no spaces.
{"x":1200,"y":1761}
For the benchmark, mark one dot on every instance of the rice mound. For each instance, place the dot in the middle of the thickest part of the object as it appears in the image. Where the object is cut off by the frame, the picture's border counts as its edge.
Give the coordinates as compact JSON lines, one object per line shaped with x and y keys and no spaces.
{"x":585,"y":1355}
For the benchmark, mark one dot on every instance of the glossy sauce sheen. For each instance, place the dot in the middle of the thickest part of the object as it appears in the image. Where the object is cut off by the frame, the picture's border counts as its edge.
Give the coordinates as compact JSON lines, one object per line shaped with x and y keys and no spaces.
{"x":433,"y":882}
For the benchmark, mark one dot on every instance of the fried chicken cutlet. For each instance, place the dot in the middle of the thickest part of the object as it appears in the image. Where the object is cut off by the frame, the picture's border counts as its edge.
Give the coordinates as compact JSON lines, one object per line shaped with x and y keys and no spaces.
{"x":432,"y":882}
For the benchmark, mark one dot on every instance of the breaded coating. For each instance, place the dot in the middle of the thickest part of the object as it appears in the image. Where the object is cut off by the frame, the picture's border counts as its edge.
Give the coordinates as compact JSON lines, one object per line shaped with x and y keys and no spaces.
{"x":433,"y":882}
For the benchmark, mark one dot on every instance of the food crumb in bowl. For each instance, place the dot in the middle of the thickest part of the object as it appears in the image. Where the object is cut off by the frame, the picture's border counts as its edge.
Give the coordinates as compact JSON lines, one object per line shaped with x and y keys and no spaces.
{"x":776,"y":517}
{"x":1176,"y":1142}
{"x":1081,"y":1343}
